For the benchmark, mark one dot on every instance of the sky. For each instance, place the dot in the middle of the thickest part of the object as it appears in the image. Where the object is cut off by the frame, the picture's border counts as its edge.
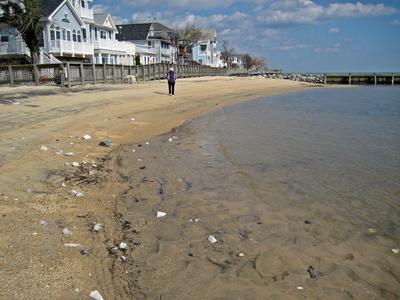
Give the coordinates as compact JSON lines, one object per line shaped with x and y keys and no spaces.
{"x":293,"y":35}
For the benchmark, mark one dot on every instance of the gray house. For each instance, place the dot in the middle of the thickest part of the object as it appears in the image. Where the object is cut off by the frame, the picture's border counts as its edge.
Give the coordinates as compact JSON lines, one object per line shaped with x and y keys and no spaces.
{"x":154,"y":42}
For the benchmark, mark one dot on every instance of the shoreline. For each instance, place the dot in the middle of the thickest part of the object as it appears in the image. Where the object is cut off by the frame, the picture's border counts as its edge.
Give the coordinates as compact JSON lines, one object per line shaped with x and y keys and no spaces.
{"x":40,"y":174}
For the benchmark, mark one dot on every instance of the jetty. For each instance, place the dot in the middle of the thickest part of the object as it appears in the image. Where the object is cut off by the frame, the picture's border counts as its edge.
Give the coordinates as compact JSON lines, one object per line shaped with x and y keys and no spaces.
{"x":362,"y":78}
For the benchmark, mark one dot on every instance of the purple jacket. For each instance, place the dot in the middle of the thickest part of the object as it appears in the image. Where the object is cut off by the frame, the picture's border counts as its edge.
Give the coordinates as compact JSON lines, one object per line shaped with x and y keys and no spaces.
{"x":171,"y":76}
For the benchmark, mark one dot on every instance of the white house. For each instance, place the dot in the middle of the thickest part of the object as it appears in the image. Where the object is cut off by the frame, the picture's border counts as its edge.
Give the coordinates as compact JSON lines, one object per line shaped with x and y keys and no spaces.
{"x":236,"y":61}
{"x":72,"y":32}
{"x":205,"y":51}
{"x":155,"y":43}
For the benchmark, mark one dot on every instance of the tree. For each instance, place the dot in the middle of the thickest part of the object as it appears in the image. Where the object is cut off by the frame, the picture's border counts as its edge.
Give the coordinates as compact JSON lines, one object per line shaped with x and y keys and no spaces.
{"x":227,"y":52}
{"x":24,"y":15}
{"x":189,"y":36}
{"x":247,"y":61}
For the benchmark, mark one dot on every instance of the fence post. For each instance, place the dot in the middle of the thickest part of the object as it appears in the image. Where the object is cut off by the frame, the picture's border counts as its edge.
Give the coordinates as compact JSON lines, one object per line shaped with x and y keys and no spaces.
{"x":94,"y":73}
{"x":114,"y":74}
{"x":81,"y":73}
{"x":143,"y":73}
{"x":104,"y":73}
{"x":130,"y":70}
{"x":36,"y":74}
{"x":11,"y":75}
{"x":122,"y":74}
{"x":69,"y":75}
{"x":62,"y":75}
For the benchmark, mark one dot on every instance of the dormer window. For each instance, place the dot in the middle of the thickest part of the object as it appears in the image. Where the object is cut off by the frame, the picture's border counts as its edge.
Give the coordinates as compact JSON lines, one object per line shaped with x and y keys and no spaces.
{"x":65,"y":19}
{"x":83,"y":4}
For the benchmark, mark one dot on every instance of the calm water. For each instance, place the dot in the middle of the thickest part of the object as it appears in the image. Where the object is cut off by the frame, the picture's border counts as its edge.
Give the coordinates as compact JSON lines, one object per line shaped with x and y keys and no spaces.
{"x":257,"y":172}
{"x":330,"y":147}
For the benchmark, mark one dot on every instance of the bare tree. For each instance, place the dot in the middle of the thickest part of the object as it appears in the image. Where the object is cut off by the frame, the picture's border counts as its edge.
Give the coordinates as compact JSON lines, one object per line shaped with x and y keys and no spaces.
{"x":189,"y":36}
{"x":227,"y":52}
{"x":24,"y":15}
{"x":247,"y":61}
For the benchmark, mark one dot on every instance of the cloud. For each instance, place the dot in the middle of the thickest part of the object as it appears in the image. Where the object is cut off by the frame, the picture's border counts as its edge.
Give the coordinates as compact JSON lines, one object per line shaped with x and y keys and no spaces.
{"x":292,"y":12}
{"x":396,"y":22}
{"x":335,"y":48}
{"x":334,"y":30}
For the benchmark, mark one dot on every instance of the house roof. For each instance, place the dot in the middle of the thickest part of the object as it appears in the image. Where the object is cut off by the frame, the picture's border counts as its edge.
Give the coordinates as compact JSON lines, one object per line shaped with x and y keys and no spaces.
{"x":137,"y":32}
{"x":48,"y":6}
{"x":99,"y":19}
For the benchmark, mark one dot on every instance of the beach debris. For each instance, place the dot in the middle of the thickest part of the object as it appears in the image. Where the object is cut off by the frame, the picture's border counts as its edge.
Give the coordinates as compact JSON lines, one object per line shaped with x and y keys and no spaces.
{"x":348,"y":256}
{"x":85,"y":251}
{"x":139,"y":159}
{"x":371,"y":230}
{"x":106,"y":143}
{"x":133,"y":119}
{"x":16,"y":103}
{"x":43,"y":148}
{"x":63,"y":184}
{"x":58,"y":152}
{"x":71,"y":245}
{"x":161,"y":214}
{"x":312,"y":272}
{"x":75,"y":164}
{"x":44,"y":223}
{"x":308,"y":222}
{"x":87,"y":137}
{"x":123,"y":246}
{"x":97,"y":227}
{"x":123,"y":258}
{"x":147,"y":143}
{"x":194,"y":220}
{"x":241,"y":254}
{"x":69,"y":154}
{"x":300,"y":288}
{"x":29,"y":190}
{"x":133,"y":150}
{"x":395,"y":250}
{"x":35,"y":233}
{"x":76,"y":193}
{"x":170,"y":140}
{"x":212,"y":239}
{"x":142,"y":167}
{"x":96,"y":295}
{"x":77,"y":290}
{"x":66,"y":231}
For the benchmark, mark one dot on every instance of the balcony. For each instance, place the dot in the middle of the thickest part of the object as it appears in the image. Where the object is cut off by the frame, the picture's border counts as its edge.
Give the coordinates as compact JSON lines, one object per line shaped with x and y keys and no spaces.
{"x":146,"y":50}
{"x":85,"y":12}
{"x":103,"y":44}
{"x":61,"y":46}
{"x":16,"y":46}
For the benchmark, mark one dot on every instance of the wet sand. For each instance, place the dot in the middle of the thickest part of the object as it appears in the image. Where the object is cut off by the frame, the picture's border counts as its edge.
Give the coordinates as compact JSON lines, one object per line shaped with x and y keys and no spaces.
{"x":35,"y":185}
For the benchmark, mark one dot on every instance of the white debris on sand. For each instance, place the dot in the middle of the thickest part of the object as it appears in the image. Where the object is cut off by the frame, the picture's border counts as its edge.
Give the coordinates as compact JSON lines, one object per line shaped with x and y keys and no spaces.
{"x":97,"y":227}
{"x":75,"y":164}
{"x":87,"y":137}
{"x":241,"y":254}
{"x":76,"y":194}
{"x":43,"y":148}
{"x":161,"y":214}
{"x":123,"y":245}
{"x":69,"y":154}
{"x":71,"y":245}
{"x":212,"y":239}
{"x":96,"y":295}
{"x":395,"y":250}
{"x":66,"y":232}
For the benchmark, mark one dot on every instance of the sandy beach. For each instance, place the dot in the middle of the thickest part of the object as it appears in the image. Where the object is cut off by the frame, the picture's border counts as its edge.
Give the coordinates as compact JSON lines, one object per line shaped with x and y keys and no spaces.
{"x":40,"y":219}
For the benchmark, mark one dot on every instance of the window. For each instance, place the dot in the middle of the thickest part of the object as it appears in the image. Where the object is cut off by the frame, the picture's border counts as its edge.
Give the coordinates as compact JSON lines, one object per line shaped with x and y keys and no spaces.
{"x":84,"y":34}
{"x":52,"y":33}
{"x":103,"y":34}
{"x":4,"y":38}
{"x":58,"y":33}
{"x":203,"y":47}
{"x":109,"y":35}
{"x":64,"y":35}
{"x":83,"y":3}
{"x":149,"y":43}
{"x":68,"y":35}
{"x":95,"y":33}
{"x":79,"y":36}
{"x":74,"y":35}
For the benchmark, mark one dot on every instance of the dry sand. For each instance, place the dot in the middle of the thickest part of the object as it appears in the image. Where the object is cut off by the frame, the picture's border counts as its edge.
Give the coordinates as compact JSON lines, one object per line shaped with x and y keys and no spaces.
{"x":34,"y":263}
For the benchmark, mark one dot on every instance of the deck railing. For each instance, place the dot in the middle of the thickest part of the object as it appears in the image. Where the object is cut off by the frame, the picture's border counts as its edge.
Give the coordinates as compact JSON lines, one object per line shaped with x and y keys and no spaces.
{"x":69,"y":74}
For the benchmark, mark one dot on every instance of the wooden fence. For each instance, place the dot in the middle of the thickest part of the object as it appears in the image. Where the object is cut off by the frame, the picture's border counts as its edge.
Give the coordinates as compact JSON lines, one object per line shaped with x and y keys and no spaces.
{"x":69,"y":74}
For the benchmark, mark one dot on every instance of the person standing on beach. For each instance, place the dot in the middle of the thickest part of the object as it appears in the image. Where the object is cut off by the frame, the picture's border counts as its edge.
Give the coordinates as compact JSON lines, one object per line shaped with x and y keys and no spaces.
{"x":171,"y":77}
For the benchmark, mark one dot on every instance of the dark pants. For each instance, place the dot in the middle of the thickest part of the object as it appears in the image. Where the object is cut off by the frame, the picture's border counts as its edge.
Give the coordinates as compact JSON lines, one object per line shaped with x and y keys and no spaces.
{"x":171,"y":88}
